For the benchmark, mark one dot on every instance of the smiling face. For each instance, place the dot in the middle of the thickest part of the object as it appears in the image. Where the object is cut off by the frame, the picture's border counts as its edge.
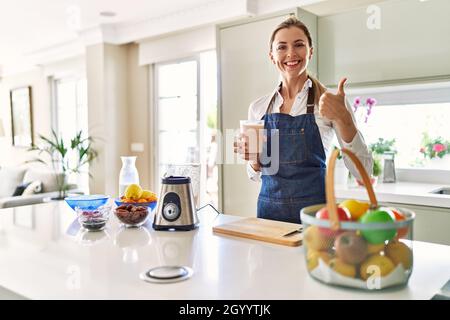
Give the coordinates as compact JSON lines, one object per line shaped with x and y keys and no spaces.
{"x":291,"y":52}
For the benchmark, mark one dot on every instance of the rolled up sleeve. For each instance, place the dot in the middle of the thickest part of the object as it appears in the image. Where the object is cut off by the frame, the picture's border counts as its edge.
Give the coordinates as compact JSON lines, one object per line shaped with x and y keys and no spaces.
{"x":359,"y":148}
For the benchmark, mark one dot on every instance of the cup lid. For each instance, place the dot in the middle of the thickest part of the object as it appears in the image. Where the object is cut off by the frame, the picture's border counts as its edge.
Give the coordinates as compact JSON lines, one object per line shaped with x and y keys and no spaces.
{"x":176,"y":180}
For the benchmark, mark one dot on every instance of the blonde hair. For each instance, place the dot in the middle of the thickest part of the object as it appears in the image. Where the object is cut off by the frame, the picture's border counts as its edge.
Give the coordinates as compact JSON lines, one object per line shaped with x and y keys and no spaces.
{"x":319,"y":89}
{"x":291,"y":22}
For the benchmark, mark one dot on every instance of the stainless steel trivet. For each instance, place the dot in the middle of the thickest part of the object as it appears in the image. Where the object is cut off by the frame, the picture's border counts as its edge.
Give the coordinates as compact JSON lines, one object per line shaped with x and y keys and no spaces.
{"x":167,"y":274}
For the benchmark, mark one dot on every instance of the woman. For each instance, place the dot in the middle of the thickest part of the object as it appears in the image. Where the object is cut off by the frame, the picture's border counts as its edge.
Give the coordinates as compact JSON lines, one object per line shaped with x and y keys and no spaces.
{"x":306,"y":117}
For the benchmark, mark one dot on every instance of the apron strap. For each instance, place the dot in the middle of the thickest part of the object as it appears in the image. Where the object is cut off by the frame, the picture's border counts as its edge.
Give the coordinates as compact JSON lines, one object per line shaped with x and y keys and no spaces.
{"x":309,"y":102}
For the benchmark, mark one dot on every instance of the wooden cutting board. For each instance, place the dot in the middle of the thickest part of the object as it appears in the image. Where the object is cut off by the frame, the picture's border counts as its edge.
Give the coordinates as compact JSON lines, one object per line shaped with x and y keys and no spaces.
{"x":263,"y":230}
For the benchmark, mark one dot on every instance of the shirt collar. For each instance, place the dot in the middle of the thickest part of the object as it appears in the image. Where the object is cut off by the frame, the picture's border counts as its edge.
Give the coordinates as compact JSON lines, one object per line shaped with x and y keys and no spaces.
{"x":308,"y":84}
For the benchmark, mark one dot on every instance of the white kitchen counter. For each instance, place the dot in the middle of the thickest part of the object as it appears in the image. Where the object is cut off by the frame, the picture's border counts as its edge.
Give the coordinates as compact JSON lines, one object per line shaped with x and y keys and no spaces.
{"x":43,"y":256}
{"x":399,"y":192}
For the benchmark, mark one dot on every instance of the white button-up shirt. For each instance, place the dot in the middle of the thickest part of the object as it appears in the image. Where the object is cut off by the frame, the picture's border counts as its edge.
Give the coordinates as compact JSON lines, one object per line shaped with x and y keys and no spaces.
{"x":258,"y":109}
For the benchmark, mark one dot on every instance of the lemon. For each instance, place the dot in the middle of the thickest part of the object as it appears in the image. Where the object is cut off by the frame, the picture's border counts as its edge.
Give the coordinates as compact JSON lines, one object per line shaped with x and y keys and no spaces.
{"x":355,"y":207}
{"x":133,"y":191}
{"x":147,"y":194}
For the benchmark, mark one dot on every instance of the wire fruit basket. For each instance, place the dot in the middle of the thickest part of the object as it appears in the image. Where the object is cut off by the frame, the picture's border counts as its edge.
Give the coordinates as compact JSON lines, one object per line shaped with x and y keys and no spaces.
{"x":357,"y":244}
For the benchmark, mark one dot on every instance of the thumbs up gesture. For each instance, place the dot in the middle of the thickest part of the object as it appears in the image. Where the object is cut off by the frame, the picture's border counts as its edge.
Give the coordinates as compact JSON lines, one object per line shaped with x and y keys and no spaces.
{"x":332,"y":106}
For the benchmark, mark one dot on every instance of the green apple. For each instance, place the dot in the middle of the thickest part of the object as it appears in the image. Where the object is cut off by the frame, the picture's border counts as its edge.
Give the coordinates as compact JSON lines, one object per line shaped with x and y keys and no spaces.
{"x":377,"y":236}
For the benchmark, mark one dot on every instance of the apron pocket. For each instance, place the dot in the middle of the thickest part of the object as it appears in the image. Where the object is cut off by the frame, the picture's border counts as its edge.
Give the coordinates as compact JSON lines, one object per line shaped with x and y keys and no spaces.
{"x":293,"y":149}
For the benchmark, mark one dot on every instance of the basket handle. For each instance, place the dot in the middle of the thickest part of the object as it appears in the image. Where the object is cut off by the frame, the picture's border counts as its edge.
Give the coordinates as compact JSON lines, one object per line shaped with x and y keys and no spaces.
{"x":329,"y":186}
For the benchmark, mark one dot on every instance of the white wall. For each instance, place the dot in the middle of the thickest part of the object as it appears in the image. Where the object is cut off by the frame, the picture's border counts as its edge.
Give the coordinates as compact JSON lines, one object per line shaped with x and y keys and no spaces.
{"x":40,"y":81}
{"x":41,"y":116}
{"x":108,"y":117}
{"x":140,"y":125}
{"x":118,"y":95}
{"x":413,"y":42}
{"x":177,"y":46}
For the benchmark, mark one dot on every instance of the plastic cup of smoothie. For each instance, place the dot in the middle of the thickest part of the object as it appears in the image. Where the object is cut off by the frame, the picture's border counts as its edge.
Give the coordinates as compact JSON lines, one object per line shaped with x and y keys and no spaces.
{"x":254,"y":130}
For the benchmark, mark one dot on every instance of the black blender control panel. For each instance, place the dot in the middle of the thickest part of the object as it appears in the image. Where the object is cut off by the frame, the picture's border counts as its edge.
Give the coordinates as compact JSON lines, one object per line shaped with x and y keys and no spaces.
{"x":171,"y":207}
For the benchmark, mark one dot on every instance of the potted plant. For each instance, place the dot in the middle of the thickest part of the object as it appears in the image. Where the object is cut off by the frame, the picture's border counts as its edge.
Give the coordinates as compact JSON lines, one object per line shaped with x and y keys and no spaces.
{"x":436,"y":151}
{"x":364,"y":108}
{"x":378,"y":149}
{"x":65,"y":159}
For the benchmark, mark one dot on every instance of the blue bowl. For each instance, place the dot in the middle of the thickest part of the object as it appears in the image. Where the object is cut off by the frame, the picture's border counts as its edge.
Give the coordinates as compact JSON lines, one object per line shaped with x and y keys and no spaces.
{"x":151,"y":205}
{"x":87,"y":202}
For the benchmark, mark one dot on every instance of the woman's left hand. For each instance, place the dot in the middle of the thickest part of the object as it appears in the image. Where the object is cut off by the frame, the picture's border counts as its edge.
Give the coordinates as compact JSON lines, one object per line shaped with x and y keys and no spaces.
{"x":332,"y":106}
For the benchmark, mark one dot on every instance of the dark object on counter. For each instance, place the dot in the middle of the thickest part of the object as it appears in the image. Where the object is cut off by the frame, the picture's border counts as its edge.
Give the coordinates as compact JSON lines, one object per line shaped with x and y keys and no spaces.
{"x":131,"y":215}
{"x":444,"y":293}
{"x":93,"y":220}
{"x":94,"y":224}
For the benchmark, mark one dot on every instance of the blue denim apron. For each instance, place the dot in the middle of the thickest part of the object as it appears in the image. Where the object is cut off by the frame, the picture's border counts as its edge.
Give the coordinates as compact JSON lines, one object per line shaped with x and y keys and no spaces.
{"x":300,"y":180}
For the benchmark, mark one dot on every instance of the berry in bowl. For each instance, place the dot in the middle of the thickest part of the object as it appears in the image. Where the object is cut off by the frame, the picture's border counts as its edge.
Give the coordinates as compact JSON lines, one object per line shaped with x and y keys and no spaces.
{"x":150,"y":205}
{"x":132,"y":215}
{"x":95,"y":219}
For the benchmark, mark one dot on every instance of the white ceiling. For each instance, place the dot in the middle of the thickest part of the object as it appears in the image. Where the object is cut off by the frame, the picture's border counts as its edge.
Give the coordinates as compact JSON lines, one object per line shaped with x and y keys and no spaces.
{"x":28,"y":27}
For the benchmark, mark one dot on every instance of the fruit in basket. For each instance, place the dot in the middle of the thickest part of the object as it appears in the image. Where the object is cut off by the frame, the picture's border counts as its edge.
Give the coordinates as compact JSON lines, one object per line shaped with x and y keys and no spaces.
{"x":350,"y":247}
{"x":399,"y":252}
{"x":345,"y":269}
{"x":355,"y":208}
{"x":398,"y":216}
{"x":377,"y":236}
{"x":376,"y":265}
{"x":343,"y":215}
{"x":316,"y":240}
{"x":313,"y":257}
{"x":375,"y":248}
{"x":133,"y":191}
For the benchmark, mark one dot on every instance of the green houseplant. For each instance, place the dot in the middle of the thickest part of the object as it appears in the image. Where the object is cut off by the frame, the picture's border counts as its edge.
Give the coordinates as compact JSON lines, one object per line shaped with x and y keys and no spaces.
{"x":65,"y":159}
{"x":380,"y":147}
{"x":436,"y":147}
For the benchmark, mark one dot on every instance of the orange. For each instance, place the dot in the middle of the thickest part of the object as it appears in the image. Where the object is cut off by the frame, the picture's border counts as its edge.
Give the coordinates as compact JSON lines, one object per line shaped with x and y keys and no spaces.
{"x":376,"y":265}
{"x":316,"y":240}
{"x":399,"y":252}
{"x":343,"y":268}
{"x":313,"y":257}
{"x":403,"y":232}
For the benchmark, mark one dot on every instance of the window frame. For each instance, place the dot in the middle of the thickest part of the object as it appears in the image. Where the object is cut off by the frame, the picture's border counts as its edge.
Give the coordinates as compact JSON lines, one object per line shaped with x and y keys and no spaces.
{"x":156,"y":98}
{"x":54,"y":109}
{"x":403,"y":94}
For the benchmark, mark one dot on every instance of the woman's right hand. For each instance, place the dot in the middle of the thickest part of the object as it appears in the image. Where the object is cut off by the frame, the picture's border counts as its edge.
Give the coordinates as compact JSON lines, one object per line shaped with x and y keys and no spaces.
{"x":241,"y":147}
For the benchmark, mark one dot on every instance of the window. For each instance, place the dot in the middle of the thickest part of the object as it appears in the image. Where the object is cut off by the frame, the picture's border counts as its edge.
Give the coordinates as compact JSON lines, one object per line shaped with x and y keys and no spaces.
{"x":186,"y":116}
{"x":406,"y":116}
{"x":70,"y":115}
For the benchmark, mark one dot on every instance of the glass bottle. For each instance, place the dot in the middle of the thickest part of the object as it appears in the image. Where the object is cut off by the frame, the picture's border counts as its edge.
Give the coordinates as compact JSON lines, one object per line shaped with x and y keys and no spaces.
{"x":128,"y":174}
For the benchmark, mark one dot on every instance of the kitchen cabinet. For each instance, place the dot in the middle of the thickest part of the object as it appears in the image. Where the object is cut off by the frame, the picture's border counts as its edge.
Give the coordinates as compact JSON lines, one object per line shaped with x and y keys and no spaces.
{"x":432,"y":224}
{"x":388,"y":51}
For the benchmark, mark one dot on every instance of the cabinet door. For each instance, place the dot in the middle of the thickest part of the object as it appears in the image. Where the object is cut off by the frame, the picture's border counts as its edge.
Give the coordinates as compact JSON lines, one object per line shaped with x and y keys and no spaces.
{"x":432,"y":224}
{"x":351,"y":45}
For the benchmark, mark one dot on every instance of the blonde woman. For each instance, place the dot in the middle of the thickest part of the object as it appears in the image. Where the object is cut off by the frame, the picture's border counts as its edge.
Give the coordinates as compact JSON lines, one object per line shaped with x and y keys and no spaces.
{"x":306,"y":117}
